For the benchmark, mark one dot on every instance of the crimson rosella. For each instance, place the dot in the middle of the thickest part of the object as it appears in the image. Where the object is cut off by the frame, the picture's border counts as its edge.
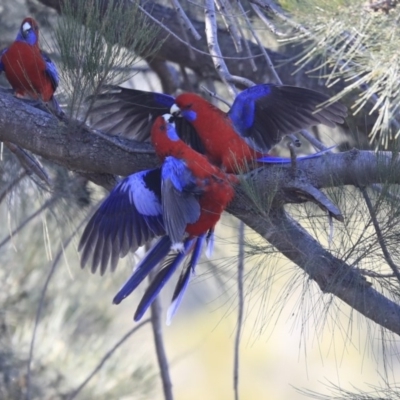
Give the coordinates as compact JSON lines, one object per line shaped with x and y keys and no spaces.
{"x":182,"y":202}
{"x":258,"y":119}
{"x":29,"y":70}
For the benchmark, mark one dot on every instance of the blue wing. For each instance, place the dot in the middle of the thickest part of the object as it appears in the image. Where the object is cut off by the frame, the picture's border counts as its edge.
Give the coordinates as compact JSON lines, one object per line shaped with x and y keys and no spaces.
{"x":131,"y":113}
{"x":180,"y":198}
{"x":1,"y":63}
{"x":51,"y":70}
{"x":184,"y":279}
{"x":263,"y":114}
{"x":162,"y":277}
{"x":155,"y":255}
{"x":129,"y":217}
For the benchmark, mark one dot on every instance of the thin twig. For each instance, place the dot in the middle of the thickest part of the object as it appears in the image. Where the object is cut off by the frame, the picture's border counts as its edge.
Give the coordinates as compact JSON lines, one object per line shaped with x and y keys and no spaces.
{"x":379,"y":235}
{"x":107,"y":356}
{"x":188,"y":44}
{"x":46,"y":205}
{"x":185,"y":20}
{"x":239,"y":324}
{"x":215,"y":96}
{"x":64,"y":245}
{"x":374,"y":274}
{"x":306,"y":134}
{"x":29,"y":162}
{"x":267,"y":22}
{"x":156,"y":323}
{"x":245,"y":41}
{"x":226,"y":14}
{"x":12,"y":184}
{"x":183,"y":23}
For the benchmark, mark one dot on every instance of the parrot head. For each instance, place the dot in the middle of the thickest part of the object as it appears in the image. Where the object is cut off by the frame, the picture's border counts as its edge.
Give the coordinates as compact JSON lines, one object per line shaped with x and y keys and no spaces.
{"x":29,"y":31}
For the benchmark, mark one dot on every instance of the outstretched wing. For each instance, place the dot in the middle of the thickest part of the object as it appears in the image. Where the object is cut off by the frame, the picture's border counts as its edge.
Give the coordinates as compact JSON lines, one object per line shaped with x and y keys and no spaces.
{"x":131,"y":113}
{"x":263,"y":114}
{"x":129,"y":217}
{"x":180,"y":196}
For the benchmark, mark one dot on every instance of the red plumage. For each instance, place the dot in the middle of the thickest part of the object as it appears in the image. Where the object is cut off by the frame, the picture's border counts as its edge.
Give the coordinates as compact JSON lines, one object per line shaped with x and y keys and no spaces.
{"x":217,"y":186}
{"x":224,"y":147}
{"x":26,"y":68}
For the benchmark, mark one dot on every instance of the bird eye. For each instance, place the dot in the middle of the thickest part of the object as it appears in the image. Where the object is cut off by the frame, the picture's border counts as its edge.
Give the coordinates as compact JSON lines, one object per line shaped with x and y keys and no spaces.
{"x":188,"y":106}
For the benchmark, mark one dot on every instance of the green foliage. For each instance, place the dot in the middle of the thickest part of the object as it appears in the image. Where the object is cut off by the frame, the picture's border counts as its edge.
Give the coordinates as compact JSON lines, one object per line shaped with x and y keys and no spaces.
{"x":349,"y":41}
{"x":98,"y":44}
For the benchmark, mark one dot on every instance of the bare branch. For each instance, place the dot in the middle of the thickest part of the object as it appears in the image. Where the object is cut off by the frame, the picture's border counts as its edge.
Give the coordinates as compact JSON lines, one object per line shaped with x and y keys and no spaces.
{"x":185,"y":20}
{"x":213,"y":46}
{"x":225,"y":12}
{"x":157,"y":323}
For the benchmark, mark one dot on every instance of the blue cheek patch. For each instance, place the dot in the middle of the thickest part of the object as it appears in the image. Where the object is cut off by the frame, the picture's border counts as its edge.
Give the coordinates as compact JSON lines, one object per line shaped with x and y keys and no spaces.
{"x":189,"y":115}
{"x":171,"y":133}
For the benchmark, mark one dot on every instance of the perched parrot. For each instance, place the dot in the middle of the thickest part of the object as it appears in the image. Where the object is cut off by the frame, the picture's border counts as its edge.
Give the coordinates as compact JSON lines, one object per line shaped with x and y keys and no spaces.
{"x":182,"y":202}
{"x":29,"y":70}
{"x":258,"y":119}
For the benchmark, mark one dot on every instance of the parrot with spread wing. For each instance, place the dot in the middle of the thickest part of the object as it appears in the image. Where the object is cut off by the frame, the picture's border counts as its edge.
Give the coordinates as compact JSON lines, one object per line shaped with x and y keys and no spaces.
{"x":182,"y":202}
{"x":29,"y":70}
{"x":258,"y":119}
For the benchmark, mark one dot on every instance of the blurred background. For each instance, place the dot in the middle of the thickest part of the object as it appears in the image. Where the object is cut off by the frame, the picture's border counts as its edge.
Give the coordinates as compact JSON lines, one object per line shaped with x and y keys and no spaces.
{"x":58,"y":322}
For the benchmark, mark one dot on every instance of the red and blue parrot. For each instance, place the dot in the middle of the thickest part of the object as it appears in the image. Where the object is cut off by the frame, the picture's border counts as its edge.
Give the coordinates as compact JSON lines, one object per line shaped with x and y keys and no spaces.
{"x":258,"y":119}
{"x":182,"y":202}
{"x":29,"y":70}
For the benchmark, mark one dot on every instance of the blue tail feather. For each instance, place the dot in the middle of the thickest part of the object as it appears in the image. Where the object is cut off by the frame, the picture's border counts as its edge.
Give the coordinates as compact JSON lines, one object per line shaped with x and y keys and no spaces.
{"x":159,"y":251}
{"x":286,"y":160}
{"x":184,"y":279}
{"x":160,"y":280}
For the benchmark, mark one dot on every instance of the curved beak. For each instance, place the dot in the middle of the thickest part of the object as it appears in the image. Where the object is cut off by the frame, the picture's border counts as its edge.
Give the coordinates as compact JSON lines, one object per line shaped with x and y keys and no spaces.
{"x":175,"y":111}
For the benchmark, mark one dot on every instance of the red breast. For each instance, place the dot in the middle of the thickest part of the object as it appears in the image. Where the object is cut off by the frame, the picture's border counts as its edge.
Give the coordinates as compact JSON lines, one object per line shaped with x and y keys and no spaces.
{"x":25,"y":69}
{"x":225,"y":148}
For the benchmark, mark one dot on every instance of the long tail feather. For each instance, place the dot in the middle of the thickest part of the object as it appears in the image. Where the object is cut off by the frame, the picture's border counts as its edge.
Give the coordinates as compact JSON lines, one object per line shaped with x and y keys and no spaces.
{"x":160,"y":280}
{"x":184,"y":279}
{"x":159,"y":251}
{"x":286,"y":160}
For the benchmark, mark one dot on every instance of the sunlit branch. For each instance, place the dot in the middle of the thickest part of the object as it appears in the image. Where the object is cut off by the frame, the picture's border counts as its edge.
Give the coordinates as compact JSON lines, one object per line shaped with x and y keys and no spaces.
{"x":213,"y":46}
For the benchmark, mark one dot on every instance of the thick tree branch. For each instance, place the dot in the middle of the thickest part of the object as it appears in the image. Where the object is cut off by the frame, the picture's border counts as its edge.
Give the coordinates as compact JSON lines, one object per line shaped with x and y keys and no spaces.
{"x":79,"y":149}
{"x":68,"y":144}
{"x":331,"y":274}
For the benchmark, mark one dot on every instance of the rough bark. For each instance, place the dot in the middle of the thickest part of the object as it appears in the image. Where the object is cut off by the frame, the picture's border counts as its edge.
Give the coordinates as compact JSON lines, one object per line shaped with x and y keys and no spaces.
{"x":79,"y":149}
